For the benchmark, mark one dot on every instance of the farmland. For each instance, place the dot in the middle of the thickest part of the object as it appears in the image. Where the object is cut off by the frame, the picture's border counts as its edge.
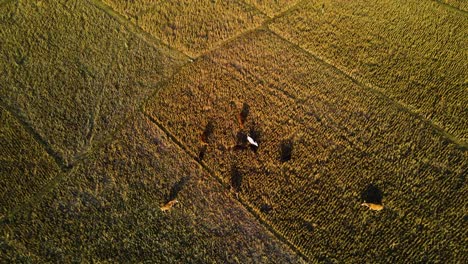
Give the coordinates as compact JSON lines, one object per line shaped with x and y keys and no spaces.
{"x":345,"y":137}
{"x":244,"y":131}
{"x":272,"y":8}
{"x":460,"y":4}
{"x":131,"y":10}
{"x":108,"y":210}
{"x":73,"y":59}
{"x":193,"y":26}
{"x":406,"y":49}
{"x":26,"y":166}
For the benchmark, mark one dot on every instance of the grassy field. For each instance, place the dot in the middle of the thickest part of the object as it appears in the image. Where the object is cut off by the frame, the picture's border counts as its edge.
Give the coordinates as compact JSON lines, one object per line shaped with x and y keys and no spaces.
{"x":272,"y":8}
{"x":209,"y":23}
{"x":192,"y":27}
{"x":26,"y":168}
{"x":414,"y":52}
{"x":343,"y":138}
{"x":107,"y":210}
{"x":111,"y":109}
{"x":131,"y":9}
{"x":460,"y":4}
{"x":56,"y":75}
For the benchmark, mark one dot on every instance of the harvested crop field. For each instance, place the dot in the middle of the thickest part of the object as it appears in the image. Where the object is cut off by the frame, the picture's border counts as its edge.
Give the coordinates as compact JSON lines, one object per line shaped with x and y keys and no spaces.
{"x":343,"y":138}
{"x":233,"y":131}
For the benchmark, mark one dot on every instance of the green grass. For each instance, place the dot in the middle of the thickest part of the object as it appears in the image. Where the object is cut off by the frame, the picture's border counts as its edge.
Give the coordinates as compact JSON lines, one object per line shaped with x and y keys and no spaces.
{"x":412,"y":51}
{"x":108,"y":210}
{"x":345,"y":137}
{"x":73,"y":73}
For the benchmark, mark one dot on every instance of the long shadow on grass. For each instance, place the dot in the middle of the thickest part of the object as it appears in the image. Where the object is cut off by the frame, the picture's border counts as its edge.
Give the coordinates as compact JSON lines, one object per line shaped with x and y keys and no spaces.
{"x":372,"y":194}
{"x":176,"y":188}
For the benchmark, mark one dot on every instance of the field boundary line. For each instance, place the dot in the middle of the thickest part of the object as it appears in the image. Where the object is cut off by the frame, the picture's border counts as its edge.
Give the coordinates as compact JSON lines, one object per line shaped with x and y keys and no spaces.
{"x":243,"y":2}
{"x":38,"y":138}
{"x":241,"y":201}
{"x":451,"y":7}
{"x":282,"y":14}
{"x":263,"y":25}
{"x":136,"y":30}
{"x":216,"y":45}
{"x":369,"y":86}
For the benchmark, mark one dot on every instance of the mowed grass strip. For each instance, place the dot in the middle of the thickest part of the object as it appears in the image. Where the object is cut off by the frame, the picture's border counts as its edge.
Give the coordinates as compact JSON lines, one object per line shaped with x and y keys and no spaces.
{"x":109,"y":210}
{"x":414,"y":52}
{"x":195,"y":26}
{"x":272,"y":7}
{"x":73,"y":73}
{"x":344,"y":140}
{"x":25,"y":167}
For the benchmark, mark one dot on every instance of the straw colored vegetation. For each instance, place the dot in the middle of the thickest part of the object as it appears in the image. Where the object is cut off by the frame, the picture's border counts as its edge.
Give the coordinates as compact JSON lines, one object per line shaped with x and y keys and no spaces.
{"x":25,"y":167}
{"x":323,"y":140}
{"x":460,"y":4}
{"x":131,"y":9}
{"x":272,"y":7}
{"x":338,"y":128}
{"x":193,"y":26}
{"x":108,"y":210}
{"x":72,"y":72}
{"x":413,"y":51}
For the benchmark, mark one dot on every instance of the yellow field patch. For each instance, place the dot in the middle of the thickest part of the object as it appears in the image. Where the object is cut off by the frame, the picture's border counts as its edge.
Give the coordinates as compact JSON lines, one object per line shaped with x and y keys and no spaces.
{"x":194,"y":27}
{"x":412,"y":51}
{"x":460,"y":4}
{"x":25,"y":166}
{"x":108,"y":210}
{"x":323,"y":140}
{"x":131,"y":9}
{"x":73,"y":72}
{"x":272,"y":7}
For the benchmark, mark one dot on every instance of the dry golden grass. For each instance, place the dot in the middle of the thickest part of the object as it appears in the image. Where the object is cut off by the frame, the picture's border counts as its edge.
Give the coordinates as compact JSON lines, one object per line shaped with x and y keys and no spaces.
{"x":193,"y":26}
{"x":87,"y":177}
{"x":72,"y":72}
{"x":413,"y":51}
{"x":131,"y":9}
{"x":344,"y":138}
{"x":108,"y":210}
{"x":460,"y":4}
{"x":25,"y":167}
{"x":272,"y":7}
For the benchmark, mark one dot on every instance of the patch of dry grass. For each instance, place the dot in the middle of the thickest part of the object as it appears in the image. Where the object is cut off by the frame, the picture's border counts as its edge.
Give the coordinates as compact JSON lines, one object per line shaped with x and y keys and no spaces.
{"x":193,"y":26}
{"x":414,"y":52}
{"x":108,"y":209}
{"x":131,"y":9}
{"x":343,"y":139}
{"x":25,"y":167}
{"x":73,"y":73}
{"x":272,"y":7}
{"x":460,"y":4}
